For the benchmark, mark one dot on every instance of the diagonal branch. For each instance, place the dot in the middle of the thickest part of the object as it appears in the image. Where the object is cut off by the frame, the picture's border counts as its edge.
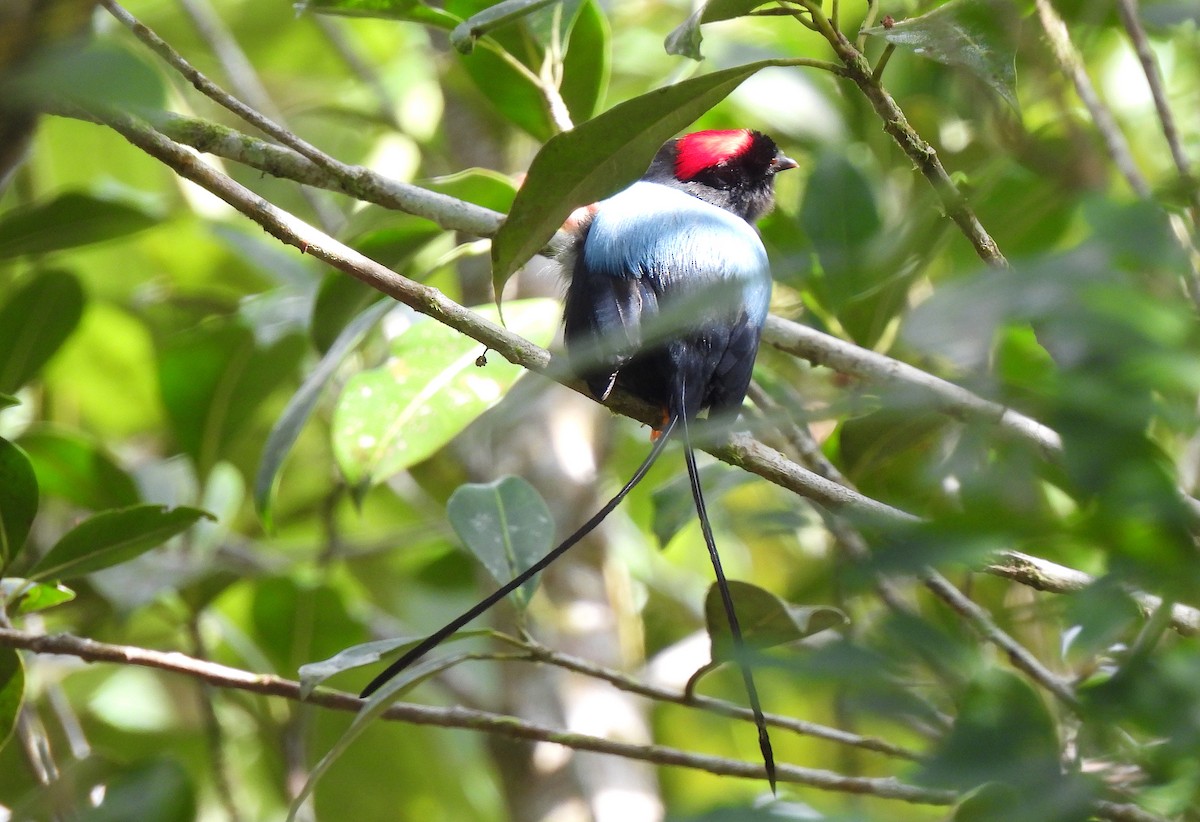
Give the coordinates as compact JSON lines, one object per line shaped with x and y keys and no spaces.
{"x":223,"y":676}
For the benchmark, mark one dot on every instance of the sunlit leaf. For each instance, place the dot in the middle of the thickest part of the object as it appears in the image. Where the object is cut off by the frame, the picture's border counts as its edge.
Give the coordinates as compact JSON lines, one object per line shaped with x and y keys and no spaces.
{"x":493,"y":17}
{"x":765,"y":619}
{"x":287,"y":428}
{"x":75,"y":468}
{"x":35,"y":321}
{"x":113,"y":537}
{"x":431,"y":388}
{"x":18,"y":500}
{"x":976,"y":35}
{"x":7,"y":401}
{"x":480,"y":186}
{"x":12,"y":691}
{"x":506,"y":525}
{"x":23,"y":596}
{"x":686,"y":38}
{"x":598,"y":158}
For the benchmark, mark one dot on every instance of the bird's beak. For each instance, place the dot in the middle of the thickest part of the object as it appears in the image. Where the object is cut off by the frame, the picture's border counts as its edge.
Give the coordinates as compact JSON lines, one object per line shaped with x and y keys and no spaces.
{"x":782,"y":162}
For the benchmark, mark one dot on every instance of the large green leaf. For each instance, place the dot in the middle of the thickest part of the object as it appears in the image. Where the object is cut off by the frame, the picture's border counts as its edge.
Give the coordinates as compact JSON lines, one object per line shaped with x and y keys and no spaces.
{"x":76,"y":468}
{"x":214,"y":379}
{"x":507,"y":526}
{"x":977,"y":35}
{"x":113,"y":537}
{"x":70,"y":220}
{"x":12,"y":691}
{"x":90,"y":73}
{"x":586,"y":64}
{"x":299,"y":408}
{"x":599,"y":158}
{"x":430,"y":389}
{"x":18,"y":500}
{"x":36,"y":320}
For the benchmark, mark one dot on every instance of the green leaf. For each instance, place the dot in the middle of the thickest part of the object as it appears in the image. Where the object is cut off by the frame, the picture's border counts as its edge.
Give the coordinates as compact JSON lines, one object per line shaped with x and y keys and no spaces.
{"x":685,"y":40}
{"x":18,"y":500}
{"x":765,"y":619}
{"x":156,"y":790}
{"x":410,"y":10}
{"x":506,"y":525}
{"x":368,"y":653}
{"x":493,"y":17}
{"x":299,"y":408}
{"x":7,"y":401}
{"x":70,"y":220}
{"x":23,"y":596}
{"x":34,"y":323}
{"x":481,"y":186}
{"x":431,"y":388}
{"x":113,"y":537}
{"x":977,"y":35}
{"x":214,"y":379}
{"x":600,"y":157}
{"x":586,"y":64}
{"x":12,"y":691}
{"x":76,"y":468}
{"x":91,"y":73}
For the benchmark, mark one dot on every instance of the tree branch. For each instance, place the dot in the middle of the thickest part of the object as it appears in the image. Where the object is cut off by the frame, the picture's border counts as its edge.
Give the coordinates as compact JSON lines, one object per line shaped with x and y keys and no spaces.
{"x":223,"y":676}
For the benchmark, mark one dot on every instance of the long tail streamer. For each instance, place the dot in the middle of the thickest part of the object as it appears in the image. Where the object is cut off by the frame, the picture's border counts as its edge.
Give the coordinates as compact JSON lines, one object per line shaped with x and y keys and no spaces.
{"x":440,"y":635}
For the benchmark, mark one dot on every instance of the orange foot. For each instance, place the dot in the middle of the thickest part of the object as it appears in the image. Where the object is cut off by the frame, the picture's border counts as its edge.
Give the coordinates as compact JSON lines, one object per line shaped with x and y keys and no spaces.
{"x":657,"y":431}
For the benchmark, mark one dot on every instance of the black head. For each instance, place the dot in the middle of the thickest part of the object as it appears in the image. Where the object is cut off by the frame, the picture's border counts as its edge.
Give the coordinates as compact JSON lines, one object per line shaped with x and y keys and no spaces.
{"x":734,"y":170}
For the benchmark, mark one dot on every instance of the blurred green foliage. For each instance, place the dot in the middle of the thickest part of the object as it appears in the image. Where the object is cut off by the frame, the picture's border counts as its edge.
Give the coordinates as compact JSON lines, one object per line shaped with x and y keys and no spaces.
{"x":160,"y":355}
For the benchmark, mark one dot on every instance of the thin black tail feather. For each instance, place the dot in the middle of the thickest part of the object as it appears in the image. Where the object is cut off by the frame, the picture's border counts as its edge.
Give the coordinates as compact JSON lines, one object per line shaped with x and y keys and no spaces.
{"x":735,"y":629}
{"x":440,"y":635}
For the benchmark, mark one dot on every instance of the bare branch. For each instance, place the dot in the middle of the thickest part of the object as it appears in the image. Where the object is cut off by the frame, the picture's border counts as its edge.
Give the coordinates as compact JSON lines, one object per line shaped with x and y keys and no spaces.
{"x":223,"y":676}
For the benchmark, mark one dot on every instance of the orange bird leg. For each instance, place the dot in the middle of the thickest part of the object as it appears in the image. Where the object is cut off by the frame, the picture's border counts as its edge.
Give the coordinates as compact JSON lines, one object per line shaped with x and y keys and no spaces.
{"x":657,"y":431}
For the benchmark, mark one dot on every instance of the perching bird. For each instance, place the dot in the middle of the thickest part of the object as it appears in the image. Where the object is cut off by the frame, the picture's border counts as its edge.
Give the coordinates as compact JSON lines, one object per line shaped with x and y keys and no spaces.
{"x":669,"y":286}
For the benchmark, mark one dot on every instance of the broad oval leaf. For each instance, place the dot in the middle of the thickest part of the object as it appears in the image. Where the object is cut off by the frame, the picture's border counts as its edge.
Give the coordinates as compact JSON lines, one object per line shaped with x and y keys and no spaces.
{"x":600,"y":157}
{"x":12,"y":691}
{"x":23,"y":596}
{"x":977,"y":35}
{"x":429,"y":390}
{"x":78,"y":469}
{"x":507,"y":526}
{"x":765,"y":619}
{"x":18,"y":500}
{"x":68,"y":221}
{"x":113,"y":537}
{"x":37,"y":319}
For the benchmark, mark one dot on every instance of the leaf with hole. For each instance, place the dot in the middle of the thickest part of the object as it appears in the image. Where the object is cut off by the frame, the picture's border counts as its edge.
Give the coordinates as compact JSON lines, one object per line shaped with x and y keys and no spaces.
{"x":429,"y":390}
{"x":977,"y":35}
{"x":507,"y":526}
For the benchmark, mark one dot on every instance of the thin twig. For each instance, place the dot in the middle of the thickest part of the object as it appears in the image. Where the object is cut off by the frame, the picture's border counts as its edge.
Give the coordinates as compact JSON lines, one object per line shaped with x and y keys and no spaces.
{"x":222,"y":676}
{"x":1141,"y":44}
